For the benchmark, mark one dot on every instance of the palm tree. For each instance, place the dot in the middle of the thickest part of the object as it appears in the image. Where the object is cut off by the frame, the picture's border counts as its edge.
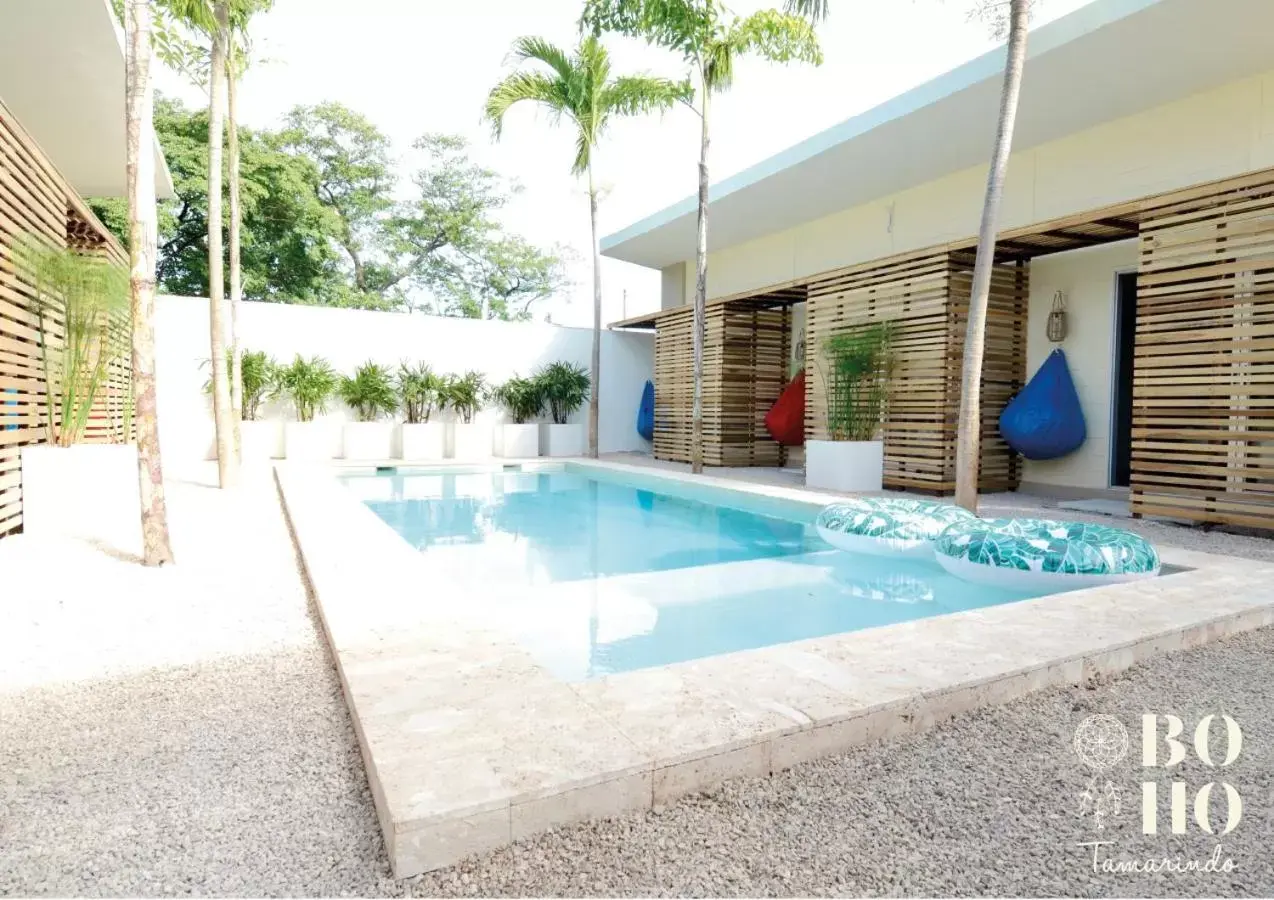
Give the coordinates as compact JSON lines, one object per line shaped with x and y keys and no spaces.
{"x":579,"y":86}
{"x":236,"y":64}
{"x":143,"y":227}
{"x":710,"y":40}
{"x":969,"y":430}
{"x":222,"y":408}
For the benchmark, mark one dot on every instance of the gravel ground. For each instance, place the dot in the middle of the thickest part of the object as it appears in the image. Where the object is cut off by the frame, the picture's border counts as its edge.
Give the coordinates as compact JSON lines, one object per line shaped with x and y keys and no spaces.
{"x":227,"y":764}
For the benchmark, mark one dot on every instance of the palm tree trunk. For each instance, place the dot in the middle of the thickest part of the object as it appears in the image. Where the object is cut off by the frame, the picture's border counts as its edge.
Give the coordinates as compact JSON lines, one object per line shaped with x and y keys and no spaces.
{"x":597,"y":319}
{"x":701,"y":293}
{"x":143,"y":227}
{"x":227,"y":468}
{"x":236,"y":273}
{"x":968,"y":435}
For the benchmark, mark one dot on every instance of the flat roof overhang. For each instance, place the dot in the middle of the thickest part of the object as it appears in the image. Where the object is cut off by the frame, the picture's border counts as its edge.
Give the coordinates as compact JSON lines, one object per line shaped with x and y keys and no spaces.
{"x":1106,"y":60}
{"x":62,"y":75}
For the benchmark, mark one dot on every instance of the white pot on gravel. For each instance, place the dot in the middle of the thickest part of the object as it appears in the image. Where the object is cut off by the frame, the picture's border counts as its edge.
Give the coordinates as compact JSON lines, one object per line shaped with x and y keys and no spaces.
{"x":87,"y":491}
{"x":845,"y":466}
{"x":564,"y":440}
{"x":369,"y":440}
{"x":309,"y":441}
{"x":423,"y":441}
{"x":519,"y":441}
{"x":472,"y":441}
{"x":260,"y":440}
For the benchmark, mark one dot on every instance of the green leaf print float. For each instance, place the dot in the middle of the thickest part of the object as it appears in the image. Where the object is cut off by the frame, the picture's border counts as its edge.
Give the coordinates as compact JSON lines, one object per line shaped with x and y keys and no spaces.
{"x":1034,"y":554}
{"x":887,"y":526}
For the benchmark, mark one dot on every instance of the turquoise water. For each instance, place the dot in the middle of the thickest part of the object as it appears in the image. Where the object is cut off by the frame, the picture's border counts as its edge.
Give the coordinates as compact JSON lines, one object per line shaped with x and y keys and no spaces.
{"x":595,"y":576}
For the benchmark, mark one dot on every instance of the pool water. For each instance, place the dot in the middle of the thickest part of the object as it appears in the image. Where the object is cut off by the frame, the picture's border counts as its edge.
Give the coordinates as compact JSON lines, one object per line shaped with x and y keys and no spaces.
{"x":595,"y":575}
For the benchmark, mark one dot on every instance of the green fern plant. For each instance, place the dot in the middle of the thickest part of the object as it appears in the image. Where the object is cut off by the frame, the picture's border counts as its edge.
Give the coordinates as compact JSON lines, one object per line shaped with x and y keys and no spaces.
{"x":260,"y":375}
{"x":309,"y":384}
{"x":369,"y":392}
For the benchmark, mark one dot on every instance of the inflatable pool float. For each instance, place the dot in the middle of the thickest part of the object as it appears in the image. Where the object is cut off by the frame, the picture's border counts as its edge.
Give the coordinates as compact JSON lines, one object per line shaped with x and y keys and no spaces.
{"x":1039,"y":554}
{"x":887,"y":526}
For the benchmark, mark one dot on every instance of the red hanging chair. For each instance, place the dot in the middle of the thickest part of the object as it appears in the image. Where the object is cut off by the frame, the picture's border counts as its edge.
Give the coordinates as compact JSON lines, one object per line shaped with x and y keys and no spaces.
{"x":786,"y":419}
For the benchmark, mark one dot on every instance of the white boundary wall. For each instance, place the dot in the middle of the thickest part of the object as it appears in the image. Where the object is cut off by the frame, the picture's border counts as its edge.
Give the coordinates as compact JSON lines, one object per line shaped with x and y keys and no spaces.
{"x":348,"y":337}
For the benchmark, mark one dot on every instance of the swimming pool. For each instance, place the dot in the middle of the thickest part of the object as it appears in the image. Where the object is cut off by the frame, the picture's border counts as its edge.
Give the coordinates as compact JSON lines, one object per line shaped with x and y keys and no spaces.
{"x":598,"y":573}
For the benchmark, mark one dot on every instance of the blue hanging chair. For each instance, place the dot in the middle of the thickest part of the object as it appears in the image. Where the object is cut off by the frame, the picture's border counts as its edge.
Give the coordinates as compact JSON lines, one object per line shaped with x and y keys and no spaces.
{"x":646,"y":413}
{"x":1045,"y":421}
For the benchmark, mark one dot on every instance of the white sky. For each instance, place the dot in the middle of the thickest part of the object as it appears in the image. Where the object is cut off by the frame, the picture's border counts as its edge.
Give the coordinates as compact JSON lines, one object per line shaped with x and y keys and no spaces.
{"x":417,"y":66}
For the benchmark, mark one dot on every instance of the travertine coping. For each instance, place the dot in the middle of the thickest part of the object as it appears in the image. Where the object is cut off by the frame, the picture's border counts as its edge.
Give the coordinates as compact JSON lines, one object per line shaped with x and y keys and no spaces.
{"x":469,"y":744}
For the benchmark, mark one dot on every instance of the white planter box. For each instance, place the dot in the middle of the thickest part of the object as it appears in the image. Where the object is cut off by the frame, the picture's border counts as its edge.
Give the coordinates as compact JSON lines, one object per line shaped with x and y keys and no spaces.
{"x":845,"y":466}
{"x":424,"y":441}
{"x":519,"y":441}
{"x":565,"y":440}
{"x":369,"y":440}
{"x":88,"y":491}
{"x":260,"y":441}
{"x":472,"y":442}
{"x":308,"y":441}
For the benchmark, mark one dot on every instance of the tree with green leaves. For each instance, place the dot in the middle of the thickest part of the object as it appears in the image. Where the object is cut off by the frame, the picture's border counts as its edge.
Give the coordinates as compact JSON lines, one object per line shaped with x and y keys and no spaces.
{"x":710,"y":40}
{"x":579,"y":86}
{"x":502,"y":281}
{"x":1011,"y":18}
{"x":355,"y":174}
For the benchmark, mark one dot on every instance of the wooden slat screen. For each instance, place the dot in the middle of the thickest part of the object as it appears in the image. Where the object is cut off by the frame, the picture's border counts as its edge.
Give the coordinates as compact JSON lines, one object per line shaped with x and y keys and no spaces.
{"x":744,"y":369}
{"x":926,"y":297}
{"x":36,"y":200}
{"x":1203,"y":382}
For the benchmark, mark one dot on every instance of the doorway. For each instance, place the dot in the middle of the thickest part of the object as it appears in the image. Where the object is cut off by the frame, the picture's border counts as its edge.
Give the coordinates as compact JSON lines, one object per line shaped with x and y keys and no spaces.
{"x":1125,"y":333}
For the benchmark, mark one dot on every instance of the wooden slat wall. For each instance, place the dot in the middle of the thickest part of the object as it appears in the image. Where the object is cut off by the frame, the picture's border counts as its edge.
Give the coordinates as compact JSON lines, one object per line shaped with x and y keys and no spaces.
{"x":36,"y":200}
{"x":925,"y":295}
{"x":1003,"y":364}
{"x":1203,"y":384}
{"x":744,"y":367}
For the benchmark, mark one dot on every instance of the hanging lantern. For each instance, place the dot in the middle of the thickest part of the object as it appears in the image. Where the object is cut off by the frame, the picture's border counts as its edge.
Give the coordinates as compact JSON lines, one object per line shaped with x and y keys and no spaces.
{"x":1057,"y":319}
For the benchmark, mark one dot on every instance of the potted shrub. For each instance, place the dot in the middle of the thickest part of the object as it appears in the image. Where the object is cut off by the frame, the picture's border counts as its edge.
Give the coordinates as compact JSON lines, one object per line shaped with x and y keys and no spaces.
{"x":308,"y":384}
{"x":524,"y":401}
{"x":856,"y":367}
{"x":71,"y":487}
{"x":466,"y":394}
{"x":565,"y":388}
{"x":259,"y":439}
{"x":421,"y":393}
{"x":370,"y":393}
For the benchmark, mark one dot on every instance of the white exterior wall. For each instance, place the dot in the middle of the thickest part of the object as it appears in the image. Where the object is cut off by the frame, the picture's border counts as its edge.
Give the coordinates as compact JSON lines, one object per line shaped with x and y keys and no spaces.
{"x":1088,"y":278}
{"x":1213,"y":134}
{"x":347,"y":338}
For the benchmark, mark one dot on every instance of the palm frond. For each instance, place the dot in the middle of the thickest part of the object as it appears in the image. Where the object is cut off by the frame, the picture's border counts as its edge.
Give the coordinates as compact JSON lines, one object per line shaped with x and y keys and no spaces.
{"x":535,"y":87}
{"x":583,"y":152}
{"x":538,"y":49}
{"x":631,"y":95}
{"x":814,"y":10}
{"x":776,"y":36}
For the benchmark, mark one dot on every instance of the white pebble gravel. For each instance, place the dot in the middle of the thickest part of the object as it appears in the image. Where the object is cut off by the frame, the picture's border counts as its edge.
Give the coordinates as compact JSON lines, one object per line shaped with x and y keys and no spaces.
{"x":227,"y":765}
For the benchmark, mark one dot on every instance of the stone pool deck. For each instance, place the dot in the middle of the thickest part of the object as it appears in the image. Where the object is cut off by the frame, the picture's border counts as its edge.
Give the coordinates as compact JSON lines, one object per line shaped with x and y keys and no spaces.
{"x":469,"y":744}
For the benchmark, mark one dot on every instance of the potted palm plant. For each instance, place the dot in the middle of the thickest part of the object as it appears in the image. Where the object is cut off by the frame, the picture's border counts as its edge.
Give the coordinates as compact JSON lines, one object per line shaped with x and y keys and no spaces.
{"x":420,"y":392}
{"x":259,"y":439}
{"x":466,"y":394}
{"x":523,"y":400}
{"x":69,"y":486}
{"x":855,"y":369}
{"x":565,"y":388}
{"x":370,"y":393}
{"x":308,"y":384}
